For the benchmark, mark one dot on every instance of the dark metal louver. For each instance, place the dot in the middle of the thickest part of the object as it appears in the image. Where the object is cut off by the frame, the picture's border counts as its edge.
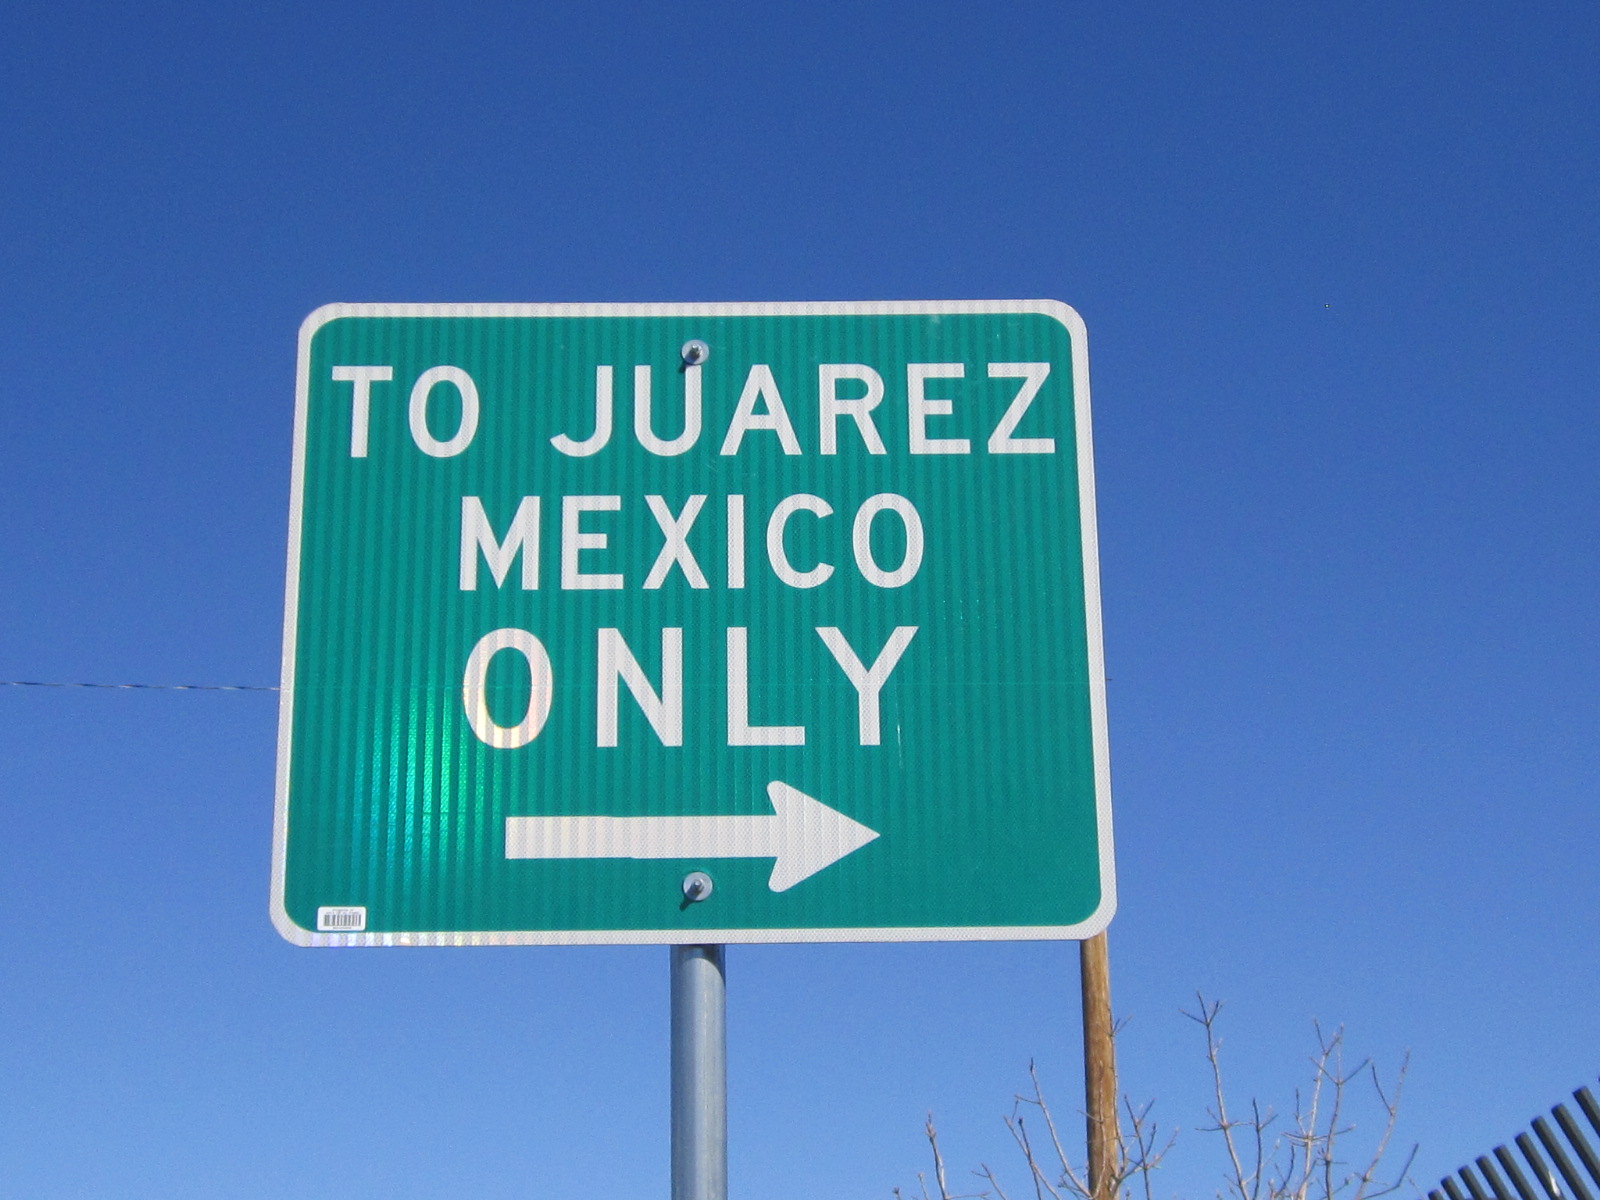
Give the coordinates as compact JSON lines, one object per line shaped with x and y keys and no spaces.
{"x":1548,"y":1152}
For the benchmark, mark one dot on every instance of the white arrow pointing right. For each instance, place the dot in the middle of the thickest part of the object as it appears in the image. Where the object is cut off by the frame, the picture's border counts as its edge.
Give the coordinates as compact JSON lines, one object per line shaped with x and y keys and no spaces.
{"x":803,"y":835}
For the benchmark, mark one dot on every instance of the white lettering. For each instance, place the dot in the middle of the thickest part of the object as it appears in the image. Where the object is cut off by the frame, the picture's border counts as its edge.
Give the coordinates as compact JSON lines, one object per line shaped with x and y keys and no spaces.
{"x":779,"y":557}
{"x":664,"y":710}
{"x":676,"y":548}
{"x":861,"y":540}
{"x":919,"y":407}
{"x":760,"y":385}
{"x":603,"y":404}
{"x":830,"y":406}
{"x":477,"y":534}
{"x":691,"y":413}
{"x":574,"y":540}
{"x":740,"y":731}
{"x":868,"y":681}
{"x":361,"y":401}
{"x":1033,"y":376}
{"x":465,"y":431}
{"x":474,"y":692}
{"x":735,"y":542}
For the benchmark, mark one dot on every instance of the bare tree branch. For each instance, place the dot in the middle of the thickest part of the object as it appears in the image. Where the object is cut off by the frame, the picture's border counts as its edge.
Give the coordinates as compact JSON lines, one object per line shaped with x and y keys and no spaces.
{"x":1310,"y":1159}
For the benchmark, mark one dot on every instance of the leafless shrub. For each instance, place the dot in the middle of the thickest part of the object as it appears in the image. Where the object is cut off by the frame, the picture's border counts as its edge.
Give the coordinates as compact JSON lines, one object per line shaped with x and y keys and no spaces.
{"x":1303,"y":1161}
{"x":1306,"y":1159}
{"x":1051,"y":1172}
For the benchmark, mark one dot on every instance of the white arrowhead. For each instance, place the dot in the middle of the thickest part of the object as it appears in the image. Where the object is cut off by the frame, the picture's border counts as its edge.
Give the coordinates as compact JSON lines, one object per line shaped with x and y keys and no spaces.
{"x":810,"y":835}
{"x":803,"y":835}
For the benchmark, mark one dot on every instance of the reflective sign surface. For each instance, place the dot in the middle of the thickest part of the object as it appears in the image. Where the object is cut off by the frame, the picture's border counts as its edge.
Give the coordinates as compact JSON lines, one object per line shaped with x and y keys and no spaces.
{"x":584,"y":599}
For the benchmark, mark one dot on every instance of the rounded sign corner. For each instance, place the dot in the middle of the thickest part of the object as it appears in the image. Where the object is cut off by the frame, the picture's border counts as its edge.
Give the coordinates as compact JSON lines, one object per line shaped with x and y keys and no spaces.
{"x":1064,"y":313}
{"x":1100,"y":919}
{"x":288,"y":928}
{"x":322,"y":315}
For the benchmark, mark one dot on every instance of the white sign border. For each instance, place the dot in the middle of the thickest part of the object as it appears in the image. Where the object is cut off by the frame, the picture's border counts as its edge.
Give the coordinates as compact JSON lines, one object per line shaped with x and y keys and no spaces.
{"x":1089,"y":526}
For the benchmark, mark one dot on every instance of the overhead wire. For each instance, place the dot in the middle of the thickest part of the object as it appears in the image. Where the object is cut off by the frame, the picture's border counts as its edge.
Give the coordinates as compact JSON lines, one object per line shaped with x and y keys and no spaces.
{"x":146,"y":687}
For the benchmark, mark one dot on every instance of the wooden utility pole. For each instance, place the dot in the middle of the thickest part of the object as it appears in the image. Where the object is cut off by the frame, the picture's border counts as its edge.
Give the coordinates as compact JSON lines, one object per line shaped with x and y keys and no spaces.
{"x":1100,"y":1071}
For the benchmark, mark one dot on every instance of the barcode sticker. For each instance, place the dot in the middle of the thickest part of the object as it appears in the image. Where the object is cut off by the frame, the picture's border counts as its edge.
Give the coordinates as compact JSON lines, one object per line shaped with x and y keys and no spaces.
{"x":341,"y":920}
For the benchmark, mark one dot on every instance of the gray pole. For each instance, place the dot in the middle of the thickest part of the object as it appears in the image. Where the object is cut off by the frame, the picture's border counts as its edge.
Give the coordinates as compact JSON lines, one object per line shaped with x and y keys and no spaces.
{"x":699,"y":1074}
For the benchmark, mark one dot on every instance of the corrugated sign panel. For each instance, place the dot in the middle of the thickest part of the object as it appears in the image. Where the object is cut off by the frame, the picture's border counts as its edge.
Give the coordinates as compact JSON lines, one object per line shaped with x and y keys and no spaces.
{"x":576,"y":608}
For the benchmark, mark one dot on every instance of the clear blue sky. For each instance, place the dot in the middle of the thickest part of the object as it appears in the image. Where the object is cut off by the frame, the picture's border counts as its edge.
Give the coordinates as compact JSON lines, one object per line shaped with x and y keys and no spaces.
{"x":1338,"y":265}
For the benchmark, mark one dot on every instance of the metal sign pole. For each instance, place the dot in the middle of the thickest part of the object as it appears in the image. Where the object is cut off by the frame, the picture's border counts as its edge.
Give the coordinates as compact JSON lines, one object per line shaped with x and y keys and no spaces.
{"x":699,"y":1074}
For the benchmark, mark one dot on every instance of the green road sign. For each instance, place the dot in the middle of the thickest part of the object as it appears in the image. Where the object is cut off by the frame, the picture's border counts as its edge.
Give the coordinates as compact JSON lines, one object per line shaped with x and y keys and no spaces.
{"x":585,"y":599}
